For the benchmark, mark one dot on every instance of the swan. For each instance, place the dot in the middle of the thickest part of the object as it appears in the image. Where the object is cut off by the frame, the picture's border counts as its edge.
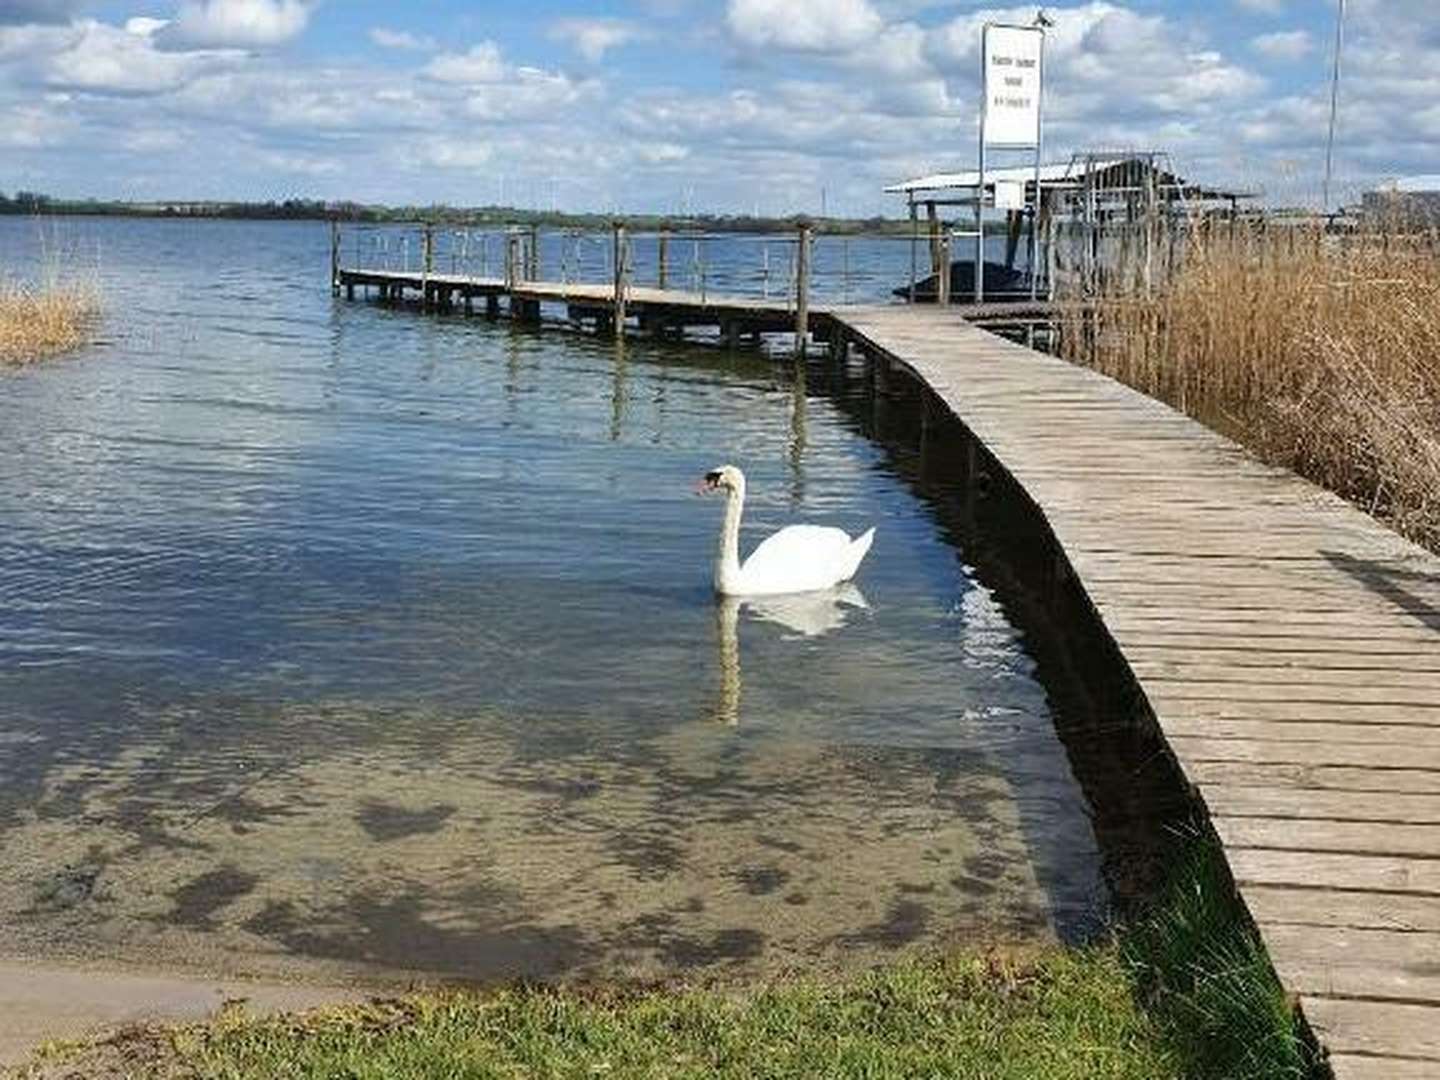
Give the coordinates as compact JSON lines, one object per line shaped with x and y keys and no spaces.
{"x":798,"y":558}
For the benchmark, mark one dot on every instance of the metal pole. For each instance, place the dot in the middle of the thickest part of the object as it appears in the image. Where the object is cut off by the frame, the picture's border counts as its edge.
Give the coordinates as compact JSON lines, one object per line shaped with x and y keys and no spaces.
{"x":1039,"y":148}
{"x":980,"y":180}
{"x":1334,"y":98}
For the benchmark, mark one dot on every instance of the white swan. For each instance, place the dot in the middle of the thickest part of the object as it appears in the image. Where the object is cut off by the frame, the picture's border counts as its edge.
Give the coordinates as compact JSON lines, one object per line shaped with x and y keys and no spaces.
{"x":798,"y":558}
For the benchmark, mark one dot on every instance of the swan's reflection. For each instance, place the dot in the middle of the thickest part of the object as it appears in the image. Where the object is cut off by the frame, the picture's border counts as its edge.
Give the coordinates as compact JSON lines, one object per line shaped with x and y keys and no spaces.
{"x":807,"y":615}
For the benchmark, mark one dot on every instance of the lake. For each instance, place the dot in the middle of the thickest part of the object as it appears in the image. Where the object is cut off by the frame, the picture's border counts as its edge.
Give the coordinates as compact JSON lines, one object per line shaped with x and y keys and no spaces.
{"x":340,"y":641}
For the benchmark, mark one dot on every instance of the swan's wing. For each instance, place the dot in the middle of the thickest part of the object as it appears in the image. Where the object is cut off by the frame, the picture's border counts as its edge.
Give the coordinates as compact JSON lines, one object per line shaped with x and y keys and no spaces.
{"x":797,"y":557}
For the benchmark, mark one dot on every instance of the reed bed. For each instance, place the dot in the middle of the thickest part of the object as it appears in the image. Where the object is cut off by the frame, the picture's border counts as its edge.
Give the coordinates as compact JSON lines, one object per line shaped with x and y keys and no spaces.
{"x":45,"y":320}
{"x":1319,"y":352}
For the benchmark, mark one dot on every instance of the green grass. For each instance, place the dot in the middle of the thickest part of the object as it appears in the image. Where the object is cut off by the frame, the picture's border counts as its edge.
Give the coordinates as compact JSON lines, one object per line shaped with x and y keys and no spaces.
{"x":1182,"y":991}
{"x":1204,"y":976}
{"x":1057,"y":1015}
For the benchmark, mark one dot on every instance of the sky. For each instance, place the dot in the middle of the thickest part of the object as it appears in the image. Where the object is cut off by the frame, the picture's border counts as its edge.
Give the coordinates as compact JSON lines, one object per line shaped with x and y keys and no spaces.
{"x":770,"y":106}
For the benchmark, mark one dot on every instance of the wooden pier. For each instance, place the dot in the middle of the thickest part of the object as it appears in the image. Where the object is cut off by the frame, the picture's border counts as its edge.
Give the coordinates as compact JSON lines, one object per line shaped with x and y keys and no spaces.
{"x":1286,"y":645}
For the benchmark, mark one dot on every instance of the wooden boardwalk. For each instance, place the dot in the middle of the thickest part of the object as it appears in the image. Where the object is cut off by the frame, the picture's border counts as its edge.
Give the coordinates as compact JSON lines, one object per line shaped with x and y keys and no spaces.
{"x":1288,"y":645}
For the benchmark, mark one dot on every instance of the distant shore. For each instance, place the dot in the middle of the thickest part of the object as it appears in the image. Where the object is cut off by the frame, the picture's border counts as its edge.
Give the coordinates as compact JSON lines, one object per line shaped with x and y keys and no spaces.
{"x":30,"y":204}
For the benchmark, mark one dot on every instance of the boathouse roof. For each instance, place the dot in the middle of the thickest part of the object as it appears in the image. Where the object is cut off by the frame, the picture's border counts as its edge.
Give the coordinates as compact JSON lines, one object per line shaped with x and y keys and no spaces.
{"x":1111,"y":171}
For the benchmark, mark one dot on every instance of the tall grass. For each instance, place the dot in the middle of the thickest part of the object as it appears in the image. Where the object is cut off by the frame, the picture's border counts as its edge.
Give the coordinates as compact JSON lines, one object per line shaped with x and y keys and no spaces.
{"x":1321,"y":353}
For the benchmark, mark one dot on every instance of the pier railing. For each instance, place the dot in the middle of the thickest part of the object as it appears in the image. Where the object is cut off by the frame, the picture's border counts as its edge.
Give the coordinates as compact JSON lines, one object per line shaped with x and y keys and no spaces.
{"x":785,"y":269}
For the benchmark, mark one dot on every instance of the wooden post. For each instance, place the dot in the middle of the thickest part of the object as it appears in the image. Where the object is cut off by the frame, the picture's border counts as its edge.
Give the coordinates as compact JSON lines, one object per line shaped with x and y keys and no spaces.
{"x":942,"y":280}
{"x":334,"y":257}
{"x":619,"y":264}
{"x":802,"y":288}
{"x":429,"y":249}
{"x":664,"y":258}
{"x":532,"y":267}
{"x":511,"y":267}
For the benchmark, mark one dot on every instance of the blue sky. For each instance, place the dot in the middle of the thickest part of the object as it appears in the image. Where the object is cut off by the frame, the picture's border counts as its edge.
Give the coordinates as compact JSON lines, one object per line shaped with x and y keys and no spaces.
{"x":663,"y":104}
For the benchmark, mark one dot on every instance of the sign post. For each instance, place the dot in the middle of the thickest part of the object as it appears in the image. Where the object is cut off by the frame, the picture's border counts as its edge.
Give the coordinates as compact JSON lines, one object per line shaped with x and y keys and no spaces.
{"x":1012,"y":78}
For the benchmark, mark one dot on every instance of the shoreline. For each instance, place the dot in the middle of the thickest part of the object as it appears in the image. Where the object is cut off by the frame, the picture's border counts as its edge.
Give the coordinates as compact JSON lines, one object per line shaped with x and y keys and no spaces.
{"x":48,"y":1002}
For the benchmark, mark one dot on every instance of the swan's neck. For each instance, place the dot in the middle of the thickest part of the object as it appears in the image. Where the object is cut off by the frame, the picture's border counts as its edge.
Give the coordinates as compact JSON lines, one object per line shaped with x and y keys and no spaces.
{"x":727,"y":557}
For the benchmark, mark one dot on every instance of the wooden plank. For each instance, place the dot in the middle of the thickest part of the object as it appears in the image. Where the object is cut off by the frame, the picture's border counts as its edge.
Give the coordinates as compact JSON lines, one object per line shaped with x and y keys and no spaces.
{"x":1371,"y":1027}
{"x":1169,"y":706}
{"x":1341,"y":661}
{"x":1356,"y":837}
{"x":1357,"y":909}
{"x":1322,"y":731}
{"x":1378,"y":758}
{"x":1309,"y":869}
{"x":1330,"y":777}
{"x":1340,"y":962}
{"x":1242,"y":800}
{"x":1379,"y":1067}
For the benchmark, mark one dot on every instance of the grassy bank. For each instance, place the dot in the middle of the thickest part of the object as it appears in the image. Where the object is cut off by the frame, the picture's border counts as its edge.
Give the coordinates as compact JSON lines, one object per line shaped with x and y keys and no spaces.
{"x":42,"y":321}
{"x":1321,"y":356}
{"x":1183,"y":992}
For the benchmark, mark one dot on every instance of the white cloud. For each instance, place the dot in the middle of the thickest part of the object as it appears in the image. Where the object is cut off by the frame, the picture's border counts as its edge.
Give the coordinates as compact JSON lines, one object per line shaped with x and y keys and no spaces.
{"x":401,"y":39}
{"x":105,"y":59}
{"x":236,"y":24}
{"x":1262,"y":7}
{"x":1284,"y":44}
{"x":593,"y":38}
{"x":821,"y":26}
{"x":483,"y":63}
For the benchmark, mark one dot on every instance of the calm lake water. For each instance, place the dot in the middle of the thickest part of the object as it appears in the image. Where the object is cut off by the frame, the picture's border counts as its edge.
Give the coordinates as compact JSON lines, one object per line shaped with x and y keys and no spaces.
{"x":338,"y":640}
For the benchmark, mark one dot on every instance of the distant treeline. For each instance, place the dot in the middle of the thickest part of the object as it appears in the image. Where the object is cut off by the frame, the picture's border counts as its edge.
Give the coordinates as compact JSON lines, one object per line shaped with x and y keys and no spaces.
{"x":31,"y":202}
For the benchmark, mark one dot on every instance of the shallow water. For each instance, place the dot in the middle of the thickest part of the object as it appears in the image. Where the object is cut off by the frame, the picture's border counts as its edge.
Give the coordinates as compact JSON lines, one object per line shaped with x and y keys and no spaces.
{"x":334,"y":638}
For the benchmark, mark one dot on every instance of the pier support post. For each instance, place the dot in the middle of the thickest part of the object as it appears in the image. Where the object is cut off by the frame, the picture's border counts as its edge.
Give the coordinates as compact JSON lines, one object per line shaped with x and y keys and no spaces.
{"x":664,"y":259}
{"x":349,"y":290}
{"x":334,"y":257}
{"x":942,"y":280}
{"x":532,"y":261}
{"x":492,"y":307}
{"x":802,"y":288}
{"x":620,"y":287}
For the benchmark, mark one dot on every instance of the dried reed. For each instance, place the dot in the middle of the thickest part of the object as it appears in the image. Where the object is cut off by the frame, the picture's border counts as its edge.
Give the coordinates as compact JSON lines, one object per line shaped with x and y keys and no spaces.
{"x":41,"y":321}
{"x":1319,"y":352}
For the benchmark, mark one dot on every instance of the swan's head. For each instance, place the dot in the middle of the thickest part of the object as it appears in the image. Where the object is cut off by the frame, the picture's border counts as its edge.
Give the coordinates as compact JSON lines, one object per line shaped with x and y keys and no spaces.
{"x":725,"y":478}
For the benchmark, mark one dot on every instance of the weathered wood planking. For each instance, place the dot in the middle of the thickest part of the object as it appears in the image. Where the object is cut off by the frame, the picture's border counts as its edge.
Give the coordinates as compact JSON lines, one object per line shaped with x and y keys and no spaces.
{"x":1288,"y":645}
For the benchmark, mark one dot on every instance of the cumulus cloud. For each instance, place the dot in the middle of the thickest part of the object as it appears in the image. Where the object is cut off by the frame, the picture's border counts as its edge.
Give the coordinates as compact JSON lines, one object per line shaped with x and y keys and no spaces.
{"x":482,"y":63}
{"x":818,"y":26}
{"x":593,"y":38}
{"x":401,"y":39}
{"x":1284,"y":44}
{"x":104,"y":59}
{"x":235,"y":24}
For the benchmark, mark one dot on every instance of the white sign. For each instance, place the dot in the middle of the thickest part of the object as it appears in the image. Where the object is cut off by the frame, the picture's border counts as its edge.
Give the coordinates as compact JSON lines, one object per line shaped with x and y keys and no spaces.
{"x":1009,"y":195}
{"x":1012,"y":85}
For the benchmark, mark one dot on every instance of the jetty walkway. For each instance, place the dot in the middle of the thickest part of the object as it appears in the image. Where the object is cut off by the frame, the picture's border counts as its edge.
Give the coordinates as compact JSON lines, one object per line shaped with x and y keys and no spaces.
{"x":1287,"y":645}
